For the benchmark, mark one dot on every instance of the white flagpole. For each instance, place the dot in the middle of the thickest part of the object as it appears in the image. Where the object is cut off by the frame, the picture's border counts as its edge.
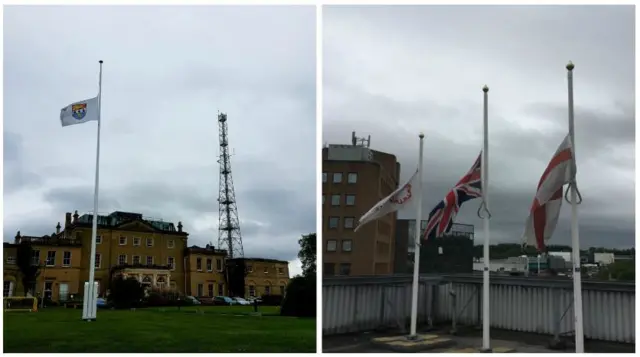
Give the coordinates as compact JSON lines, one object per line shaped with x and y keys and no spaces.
{"x":486,"y":316}
{"x":416,"y":259}
{"x":575,"y":239}
{"x":90,"y":300}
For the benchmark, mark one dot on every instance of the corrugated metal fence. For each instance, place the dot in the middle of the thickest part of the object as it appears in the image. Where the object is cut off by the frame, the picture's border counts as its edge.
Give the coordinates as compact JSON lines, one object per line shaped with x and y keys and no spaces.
{"x":538,"y":305}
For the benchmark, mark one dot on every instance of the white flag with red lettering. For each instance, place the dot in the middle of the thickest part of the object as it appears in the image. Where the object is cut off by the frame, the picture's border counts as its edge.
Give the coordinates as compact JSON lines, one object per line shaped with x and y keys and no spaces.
{"x":400,"y":198}
{"x":545,"y":209}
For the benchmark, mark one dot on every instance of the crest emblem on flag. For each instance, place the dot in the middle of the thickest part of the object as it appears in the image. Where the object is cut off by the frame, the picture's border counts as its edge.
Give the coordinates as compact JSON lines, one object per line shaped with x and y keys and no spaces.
{"x":79,"y":110}
{"x":402,"y":196}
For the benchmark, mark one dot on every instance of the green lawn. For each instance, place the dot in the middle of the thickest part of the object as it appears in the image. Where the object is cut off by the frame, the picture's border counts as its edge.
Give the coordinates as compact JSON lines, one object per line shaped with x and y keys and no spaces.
{"x":156,"y":330}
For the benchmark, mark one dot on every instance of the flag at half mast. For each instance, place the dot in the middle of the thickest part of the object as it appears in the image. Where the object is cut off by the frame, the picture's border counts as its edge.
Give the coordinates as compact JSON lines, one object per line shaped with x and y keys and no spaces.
{"x":400,"y":198}
{"x":80,"y":112}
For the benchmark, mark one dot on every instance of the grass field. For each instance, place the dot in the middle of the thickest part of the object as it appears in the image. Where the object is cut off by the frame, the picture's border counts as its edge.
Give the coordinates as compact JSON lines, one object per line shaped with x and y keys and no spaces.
{"x":157,"y":330}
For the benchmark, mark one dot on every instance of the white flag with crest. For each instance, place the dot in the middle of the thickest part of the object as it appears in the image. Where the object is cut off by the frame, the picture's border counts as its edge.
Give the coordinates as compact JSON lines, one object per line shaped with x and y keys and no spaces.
{"x":400,"y":198}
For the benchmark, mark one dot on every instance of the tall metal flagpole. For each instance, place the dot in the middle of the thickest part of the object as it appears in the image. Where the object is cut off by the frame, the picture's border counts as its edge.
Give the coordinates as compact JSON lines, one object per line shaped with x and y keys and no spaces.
{"x":575,"y":238}
{"x":90,"y":314}
{"x":416,"y":259}
{"x":486,"y":316}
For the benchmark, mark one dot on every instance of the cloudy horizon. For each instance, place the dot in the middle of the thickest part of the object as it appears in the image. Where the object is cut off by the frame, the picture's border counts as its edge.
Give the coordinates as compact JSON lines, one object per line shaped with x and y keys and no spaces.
{"x":392,"y":72}
{"x":168,"y":70}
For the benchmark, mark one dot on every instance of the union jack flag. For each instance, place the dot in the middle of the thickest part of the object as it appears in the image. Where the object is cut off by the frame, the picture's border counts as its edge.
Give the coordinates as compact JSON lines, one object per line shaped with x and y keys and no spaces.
{"x":442,"y":215}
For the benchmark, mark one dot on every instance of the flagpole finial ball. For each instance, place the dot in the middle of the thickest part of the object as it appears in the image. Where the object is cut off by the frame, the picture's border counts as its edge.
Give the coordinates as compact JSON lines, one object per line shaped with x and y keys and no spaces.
{"x":421,"y":135}
{"x":485,"y":89}
{"x":100,"y":61}
{"x":570,"y":66}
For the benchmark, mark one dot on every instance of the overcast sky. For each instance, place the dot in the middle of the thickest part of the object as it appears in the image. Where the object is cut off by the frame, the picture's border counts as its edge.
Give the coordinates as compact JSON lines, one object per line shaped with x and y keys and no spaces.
{"x":167,"y":71}
{"x":391,"y":72}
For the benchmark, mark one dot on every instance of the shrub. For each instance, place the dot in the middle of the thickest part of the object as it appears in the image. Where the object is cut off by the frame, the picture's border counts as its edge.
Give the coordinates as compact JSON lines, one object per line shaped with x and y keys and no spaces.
{"x":300,"y":299}
{"x":271,"y":300}
{"x":126,"y":293}
{"x":165,"y":297}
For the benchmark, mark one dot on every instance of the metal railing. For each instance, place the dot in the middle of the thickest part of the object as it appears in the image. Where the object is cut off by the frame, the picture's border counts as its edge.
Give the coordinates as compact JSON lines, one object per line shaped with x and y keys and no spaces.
{"x":536,"y":305}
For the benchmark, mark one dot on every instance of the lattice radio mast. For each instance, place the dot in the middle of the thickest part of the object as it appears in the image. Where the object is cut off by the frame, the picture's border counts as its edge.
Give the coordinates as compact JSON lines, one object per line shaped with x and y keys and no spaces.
{"x":229,"y":236}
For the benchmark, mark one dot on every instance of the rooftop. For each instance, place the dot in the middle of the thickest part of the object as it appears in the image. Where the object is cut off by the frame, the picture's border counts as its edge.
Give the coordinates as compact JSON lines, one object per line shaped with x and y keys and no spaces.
{"x":118,"y":217}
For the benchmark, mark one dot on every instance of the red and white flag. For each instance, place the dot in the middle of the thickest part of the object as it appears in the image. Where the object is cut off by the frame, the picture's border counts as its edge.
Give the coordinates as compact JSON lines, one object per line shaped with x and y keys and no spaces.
{"x":400,"y":198}
{"x":545,"y":209}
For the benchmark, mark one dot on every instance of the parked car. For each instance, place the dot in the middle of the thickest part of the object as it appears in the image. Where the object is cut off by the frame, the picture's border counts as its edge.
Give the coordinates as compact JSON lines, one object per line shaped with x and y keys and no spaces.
{"x":192,"y":300}
{"x":224,"y":300}
{"x":101,"y":302}
{"x":241,"y":301}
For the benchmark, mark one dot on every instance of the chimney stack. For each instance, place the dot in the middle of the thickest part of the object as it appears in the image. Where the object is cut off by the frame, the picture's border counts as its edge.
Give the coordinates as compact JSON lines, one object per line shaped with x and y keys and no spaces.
{"x":58,"y":228}
{"x":75,"y":217}
{"x":18,"y":238}
{"x":179,"y":226}
{"x":67,"y":220}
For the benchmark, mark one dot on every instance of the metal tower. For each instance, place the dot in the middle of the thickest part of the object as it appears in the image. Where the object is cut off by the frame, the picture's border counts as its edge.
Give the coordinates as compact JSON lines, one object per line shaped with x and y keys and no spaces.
{"x":229,"y":236}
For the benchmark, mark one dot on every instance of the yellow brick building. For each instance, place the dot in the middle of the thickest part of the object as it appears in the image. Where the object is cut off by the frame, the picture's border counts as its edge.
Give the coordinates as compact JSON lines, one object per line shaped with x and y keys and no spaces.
{"x":153,"y":251}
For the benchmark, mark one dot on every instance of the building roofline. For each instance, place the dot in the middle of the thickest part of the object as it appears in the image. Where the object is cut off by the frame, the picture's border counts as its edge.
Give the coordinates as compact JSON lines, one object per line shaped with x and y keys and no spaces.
{"x":264,"y":260}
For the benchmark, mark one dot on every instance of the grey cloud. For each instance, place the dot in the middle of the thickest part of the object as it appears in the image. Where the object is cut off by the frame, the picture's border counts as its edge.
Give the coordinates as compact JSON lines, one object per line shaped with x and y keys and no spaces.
{"x":393,"y":97}
{"x":16,"y":175}
{"x":167,"y":72}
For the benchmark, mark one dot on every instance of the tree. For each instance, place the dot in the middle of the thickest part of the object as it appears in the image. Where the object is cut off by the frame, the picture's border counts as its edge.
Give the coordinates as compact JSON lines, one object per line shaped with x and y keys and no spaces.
{"x":26,"y":266}
{"x":300,"y":299}
{"x":307,"y":254}
{"x":235,"y":275}
{"x":125,"y":293}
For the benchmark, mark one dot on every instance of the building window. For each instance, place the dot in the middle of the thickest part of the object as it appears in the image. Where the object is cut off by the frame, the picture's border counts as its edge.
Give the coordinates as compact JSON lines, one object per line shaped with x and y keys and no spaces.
{"x":6,"y":288}
{"x":136,"y":260}
{"x":219,"y":264}
{"x":210,"y":290}
{"x":199,"y":264}
{"x":149,"y":242}
{"x":122,"y":259}
{"x":252,"y":290}
{"x":209,"y":264}
{"x":351,"y":200}
{"x":335,"y":200}
{"x":331,"y":245}
{"x":281,"y":290}
{"x":221,"y":289}
{"x":266,"y":270}
{"x":334,"y":222}
{"x":66,"y":259}
{"x":349,"y":222}
{"x":345,"y":269}
{"x":352,"y":177}
{"x":51,"y":258}
{"x":149,"y":260}
{"x":11,"y":260}
{"x":98,"y":239}
{"x":35,"y":257}
{"x":136,"y":241}
{"x":171,"y":243}
{"x":280,"y":270}
{"x":328,"y":269}
{"x":267,"y":290}
{"x":346,"y":245}
{"x":250,"y":268}
{"x":337,"y":177}
{"x":200,"y":290}
{"x":324,"y":177}
{"x":171,"y":263}
{"x":123,"y":240}
{"x":98,"y":261}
